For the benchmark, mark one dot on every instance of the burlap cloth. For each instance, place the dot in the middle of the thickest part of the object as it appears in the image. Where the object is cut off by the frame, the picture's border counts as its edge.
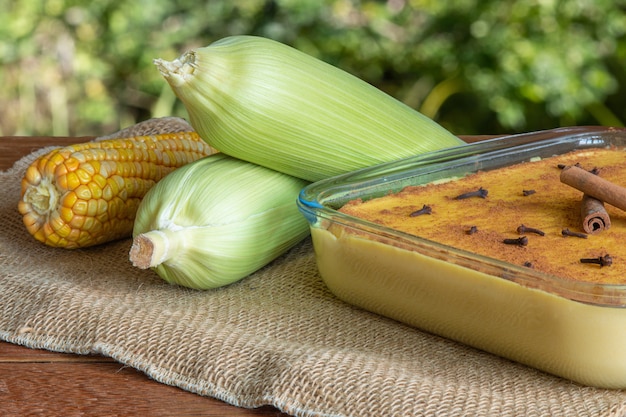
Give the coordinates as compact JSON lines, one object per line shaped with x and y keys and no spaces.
{"x":278,"y":337}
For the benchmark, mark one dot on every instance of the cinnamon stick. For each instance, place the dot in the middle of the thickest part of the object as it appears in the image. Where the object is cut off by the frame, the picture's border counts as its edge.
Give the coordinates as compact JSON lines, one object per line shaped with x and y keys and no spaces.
{"x":594,"y":216}
{"x":595,"y":186}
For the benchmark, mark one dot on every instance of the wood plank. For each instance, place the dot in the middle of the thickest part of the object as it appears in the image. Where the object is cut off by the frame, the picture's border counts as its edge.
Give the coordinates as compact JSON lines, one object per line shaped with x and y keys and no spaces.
{"x":13,"y":148}
{"x":10,"y":353}
{"x":38,"y":382}
{"x":106,"y":388}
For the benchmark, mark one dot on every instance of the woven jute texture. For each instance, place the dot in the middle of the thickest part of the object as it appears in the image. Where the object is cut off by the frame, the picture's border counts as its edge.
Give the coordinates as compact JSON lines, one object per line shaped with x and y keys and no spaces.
{"x":277,"y":337}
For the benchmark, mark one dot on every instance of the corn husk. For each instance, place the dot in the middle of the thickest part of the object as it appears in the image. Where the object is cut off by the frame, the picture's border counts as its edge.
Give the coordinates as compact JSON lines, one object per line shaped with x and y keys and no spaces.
{"x":270,"y":104}
{"x":215,"y":221}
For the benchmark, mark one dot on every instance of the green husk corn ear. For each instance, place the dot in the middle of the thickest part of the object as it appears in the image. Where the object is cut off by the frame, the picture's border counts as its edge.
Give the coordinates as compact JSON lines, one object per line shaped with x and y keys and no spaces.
{"x":267,"y":103}
{"x":215,"y":221}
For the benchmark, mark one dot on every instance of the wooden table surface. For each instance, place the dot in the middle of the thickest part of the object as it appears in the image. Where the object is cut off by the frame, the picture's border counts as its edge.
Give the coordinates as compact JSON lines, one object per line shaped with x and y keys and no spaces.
{"x":39,"y":382}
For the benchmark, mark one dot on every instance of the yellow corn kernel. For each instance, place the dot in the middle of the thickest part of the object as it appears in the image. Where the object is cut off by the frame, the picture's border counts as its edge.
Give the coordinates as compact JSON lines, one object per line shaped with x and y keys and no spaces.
{"x":67,"y":213}
{"x":88,"y":193}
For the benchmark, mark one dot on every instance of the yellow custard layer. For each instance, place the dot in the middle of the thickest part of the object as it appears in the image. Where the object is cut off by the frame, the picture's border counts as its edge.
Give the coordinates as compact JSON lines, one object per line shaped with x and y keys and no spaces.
{"x":581,"y":342}
{"x":551,"y":208}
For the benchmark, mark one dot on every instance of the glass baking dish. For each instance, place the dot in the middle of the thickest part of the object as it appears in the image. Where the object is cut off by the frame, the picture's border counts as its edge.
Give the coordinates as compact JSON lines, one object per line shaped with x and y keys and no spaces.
{"x":575,"y":330}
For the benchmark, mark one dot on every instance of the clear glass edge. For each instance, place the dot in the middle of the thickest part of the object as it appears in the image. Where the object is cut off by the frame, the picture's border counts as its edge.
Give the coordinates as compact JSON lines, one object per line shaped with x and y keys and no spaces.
{"x":318,"y":201}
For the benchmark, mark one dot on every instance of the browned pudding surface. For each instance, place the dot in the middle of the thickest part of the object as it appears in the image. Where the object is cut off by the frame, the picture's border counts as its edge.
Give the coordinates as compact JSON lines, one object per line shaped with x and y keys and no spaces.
{"x":551,"y":207}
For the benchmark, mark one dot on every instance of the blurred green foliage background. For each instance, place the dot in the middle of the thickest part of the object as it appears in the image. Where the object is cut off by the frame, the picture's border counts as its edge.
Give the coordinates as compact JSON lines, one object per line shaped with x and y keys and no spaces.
{"x":78,"y":67}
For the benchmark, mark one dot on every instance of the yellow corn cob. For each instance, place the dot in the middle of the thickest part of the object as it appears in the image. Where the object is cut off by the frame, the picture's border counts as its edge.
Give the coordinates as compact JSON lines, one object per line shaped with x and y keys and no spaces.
{"x":87,"y":194}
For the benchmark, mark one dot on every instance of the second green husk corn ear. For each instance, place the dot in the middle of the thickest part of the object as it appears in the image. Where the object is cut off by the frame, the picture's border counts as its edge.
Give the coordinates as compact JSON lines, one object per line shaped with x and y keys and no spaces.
{"x":215,"y":221}
{"x":268,"y":103}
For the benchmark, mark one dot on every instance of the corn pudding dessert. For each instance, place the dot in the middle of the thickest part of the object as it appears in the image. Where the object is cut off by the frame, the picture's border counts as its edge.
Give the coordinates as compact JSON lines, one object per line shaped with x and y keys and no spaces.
{"x":513,"y":260}
{"x":522,"y":214}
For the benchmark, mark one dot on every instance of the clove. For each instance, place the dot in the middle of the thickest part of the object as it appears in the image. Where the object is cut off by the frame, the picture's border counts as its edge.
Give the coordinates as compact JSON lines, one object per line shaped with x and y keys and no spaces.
{"x":605,"y":260}
{"x":526,"y":193}
{"x":563,"y":166}
{"x":520,"y":241}
{"x":524,"y":229}
{"x":481,"y":192}
{"x":594,"y":170}
{"x":424,"y":210}
{"x":472,"y":230}
{"x":567,"y":232}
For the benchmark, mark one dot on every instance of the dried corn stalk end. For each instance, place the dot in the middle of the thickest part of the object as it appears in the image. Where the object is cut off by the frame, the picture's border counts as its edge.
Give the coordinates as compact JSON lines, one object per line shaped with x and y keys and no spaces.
{"x":87,"y":194}
{"x":142,"y":252}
